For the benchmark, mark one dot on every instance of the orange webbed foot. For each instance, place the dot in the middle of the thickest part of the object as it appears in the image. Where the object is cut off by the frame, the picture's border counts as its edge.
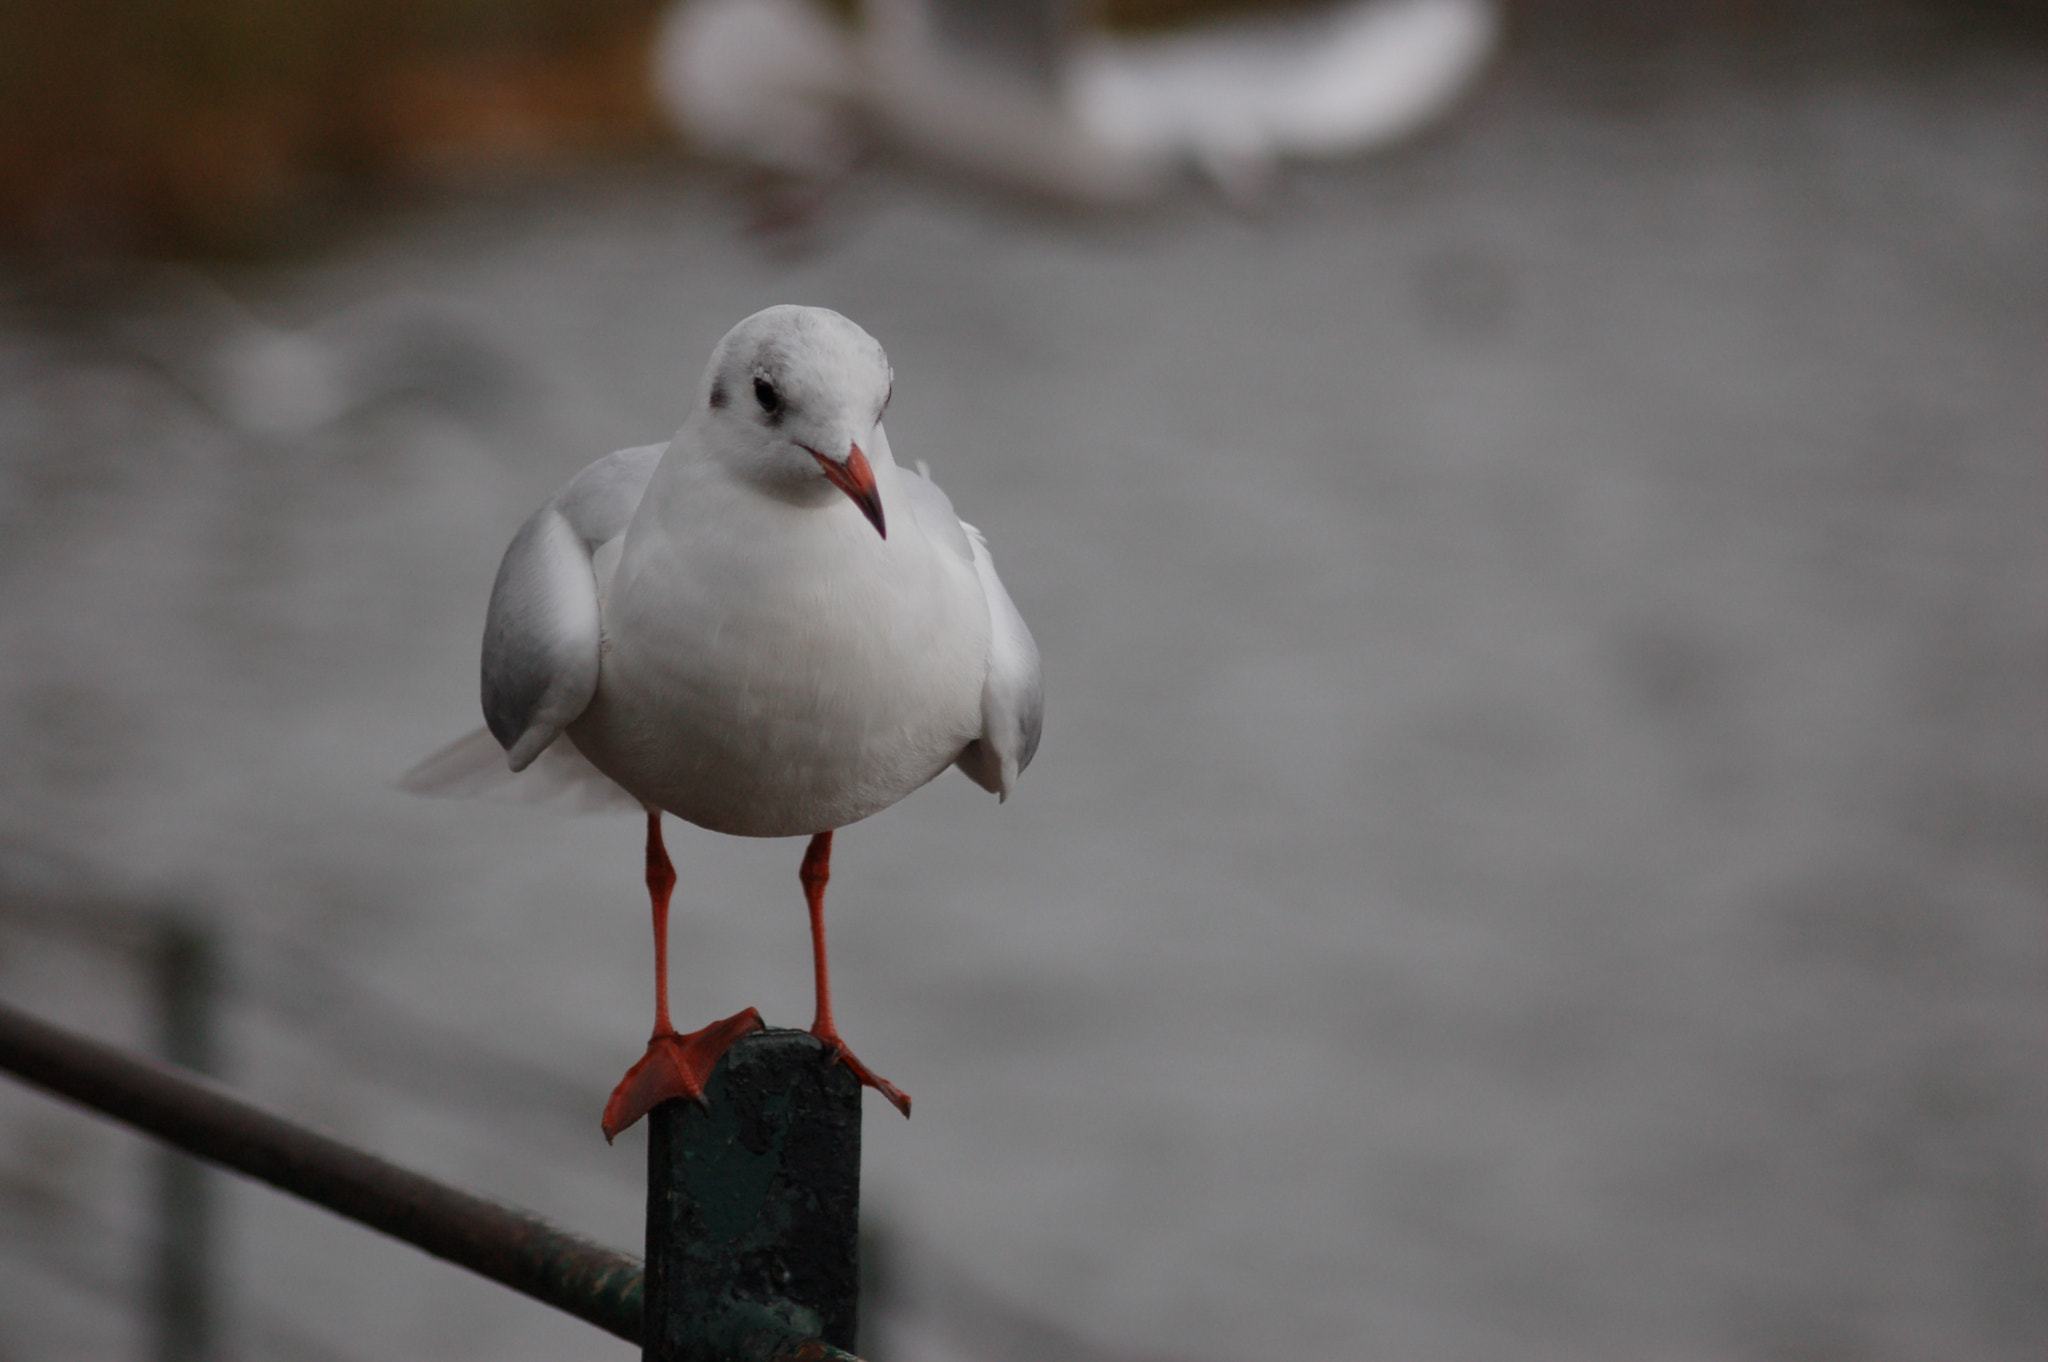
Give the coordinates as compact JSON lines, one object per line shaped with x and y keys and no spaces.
{"x":674,"y":1066}
{"x":836,"y":1048}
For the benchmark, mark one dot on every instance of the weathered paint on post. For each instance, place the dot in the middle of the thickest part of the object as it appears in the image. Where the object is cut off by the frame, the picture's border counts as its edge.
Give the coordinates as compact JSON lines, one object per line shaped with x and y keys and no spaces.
{"x":753,"y":1209}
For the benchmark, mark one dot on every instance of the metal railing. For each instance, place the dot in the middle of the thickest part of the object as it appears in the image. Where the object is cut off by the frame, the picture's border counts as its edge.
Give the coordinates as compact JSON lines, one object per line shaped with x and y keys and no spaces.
{"x":753,"y":1198}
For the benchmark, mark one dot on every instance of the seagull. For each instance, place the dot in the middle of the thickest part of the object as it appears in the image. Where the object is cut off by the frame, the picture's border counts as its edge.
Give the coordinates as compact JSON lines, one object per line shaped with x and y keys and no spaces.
{"x":1025,"y":95}
{"x":765,"y":627}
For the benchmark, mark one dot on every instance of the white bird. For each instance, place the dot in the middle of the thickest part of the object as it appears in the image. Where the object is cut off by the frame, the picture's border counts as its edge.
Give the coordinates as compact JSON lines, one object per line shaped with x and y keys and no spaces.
{"x":1022,"y":94}
{"x":1235,"y":98}
{"x":764,"y":627}
{"x":769,"y":83}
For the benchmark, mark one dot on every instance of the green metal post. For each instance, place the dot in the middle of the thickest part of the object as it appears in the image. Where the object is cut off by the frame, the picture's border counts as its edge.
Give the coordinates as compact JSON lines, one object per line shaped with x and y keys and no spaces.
{"x":187,"y":970}
{"x":753,"y":1209}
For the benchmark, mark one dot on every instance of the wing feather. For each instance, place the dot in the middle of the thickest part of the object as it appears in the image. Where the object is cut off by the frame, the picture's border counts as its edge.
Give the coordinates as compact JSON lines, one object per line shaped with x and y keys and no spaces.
{"x":1013,"y":696}
{"x":542,"y":632}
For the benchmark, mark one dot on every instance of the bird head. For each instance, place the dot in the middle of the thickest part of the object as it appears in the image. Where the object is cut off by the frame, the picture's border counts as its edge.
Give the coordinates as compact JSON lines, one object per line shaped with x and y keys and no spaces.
{"x":789,"y":399}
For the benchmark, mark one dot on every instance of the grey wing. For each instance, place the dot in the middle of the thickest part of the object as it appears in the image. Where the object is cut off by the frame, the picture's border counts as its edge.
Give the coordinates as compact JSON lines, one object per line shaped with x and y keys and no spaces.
{"x":1013,"y":696}
{"x":542,"y":632}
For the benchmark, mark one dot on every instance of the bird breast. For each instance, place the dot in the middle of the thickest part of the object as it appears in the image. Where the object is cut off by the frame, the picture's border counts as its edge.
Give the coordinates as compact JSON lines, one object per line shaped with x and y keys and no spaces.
{"x":784,"y":670}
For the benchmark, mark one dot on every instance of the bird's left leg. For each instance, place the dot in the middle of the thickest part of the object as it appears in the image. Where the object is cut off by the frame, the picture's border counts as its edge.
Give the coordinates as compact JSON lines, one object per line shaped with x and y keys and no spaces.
{"x":674,"y":1066}
{"x":817,"y":870}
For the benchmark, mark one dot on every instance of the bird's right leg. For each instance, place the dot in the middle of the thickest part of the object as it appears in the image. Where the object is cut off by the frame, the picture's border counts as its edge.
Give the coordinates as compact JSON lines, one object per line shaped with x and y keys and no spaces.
{"x":674,"y":1066}
{"x":816,"y":873}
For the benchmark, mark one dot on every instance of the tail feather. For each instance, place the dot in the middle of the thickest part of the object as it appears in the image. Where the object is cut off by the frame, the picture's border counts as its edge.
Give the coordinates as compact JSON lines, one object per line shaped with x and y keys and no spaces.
{"x":474,"y":767}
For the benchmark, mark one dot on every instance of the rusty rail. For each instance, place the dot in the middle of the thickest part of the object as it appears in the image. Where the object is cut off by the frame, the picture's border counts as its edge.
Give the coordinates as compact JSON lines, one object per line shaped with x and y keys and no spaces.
{"x":753,"y":1202}
{"x":508,"y":1246}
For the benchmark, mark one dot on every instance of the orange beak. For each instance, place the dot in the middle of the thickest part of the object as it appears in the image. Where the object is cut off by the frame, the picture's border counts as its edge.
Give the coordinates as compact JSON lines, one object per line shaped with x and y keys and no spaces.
{"x":857,"y":479}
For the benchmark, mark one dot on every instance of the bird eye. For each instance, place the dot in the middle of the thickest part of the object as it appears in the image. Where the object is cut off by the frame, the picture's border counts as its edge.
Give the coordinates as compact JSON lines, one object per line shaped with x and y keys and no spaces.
{"x":765,"y":394}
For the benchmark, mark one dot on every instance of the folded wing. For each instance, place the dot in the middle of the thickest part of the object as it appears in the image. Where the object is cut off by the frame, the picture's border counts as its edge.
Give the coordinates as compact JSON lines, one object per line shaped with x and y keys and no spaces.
{"x":542,"y":632}
{"x":1013,"y":696}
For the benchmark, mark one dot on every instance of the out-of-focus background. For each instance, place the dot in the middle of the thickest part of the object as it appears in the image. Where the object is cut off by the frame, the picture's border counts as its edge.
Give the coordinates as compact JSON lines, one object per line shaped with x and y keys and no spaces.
{"x":1540,"y":848}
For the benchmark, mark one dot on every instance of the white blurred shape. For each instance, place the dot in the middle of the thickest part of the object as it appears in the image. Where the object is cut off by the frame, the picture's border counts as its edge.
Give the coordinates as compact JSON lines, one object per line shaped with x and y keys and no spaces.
{"x":276,"y":382}
{"x":1234,"y":98}
{"x":771,"y":83}
{"x":959,"y":109}
{"x":779,"y":85}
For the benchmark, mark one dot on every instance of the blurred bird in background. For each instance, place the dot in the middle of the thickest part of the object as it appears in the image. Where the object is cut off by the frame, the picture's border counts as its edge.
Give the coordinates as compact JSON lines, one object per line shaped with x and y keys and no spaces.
{"x":1033,"y":98}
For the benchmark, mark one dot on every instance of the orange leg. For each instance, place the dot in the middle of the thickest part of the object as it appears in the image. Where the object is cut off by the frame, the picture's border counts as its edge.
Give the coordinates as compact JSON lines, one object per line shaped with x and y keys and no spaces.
{"x":674,"y":1066}
{"x":816,"y":872}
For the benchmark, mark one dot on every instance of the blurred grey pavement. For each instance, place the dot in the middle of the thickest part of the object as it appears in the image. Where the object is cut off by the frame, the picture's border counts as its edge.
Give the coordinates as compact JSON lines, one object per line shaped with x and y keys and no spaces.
{"x":1540,"y":848}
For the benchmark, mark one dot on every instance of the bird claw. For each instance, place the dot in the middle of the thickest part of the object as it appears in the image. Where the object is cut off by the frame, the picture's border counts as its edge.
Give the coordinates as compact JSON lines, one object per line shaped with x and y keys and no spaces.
{"x":674,"y":1066}
{"x":835,"y":1049}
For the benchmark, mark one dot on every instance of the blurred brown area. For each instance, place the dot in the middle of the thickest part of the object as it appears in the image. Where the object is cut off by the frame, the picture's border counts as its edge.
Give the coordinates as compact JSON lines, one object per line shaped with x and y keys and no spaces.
{"x":237,"y":126}
{"x":230,"y":125}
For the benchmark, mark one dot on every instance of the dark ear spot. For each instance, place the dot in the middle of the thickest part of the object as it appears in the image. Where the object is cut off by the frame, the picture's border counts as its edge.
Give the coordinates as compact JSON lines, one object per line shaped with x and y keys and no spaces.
{"x":719,"y":396}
